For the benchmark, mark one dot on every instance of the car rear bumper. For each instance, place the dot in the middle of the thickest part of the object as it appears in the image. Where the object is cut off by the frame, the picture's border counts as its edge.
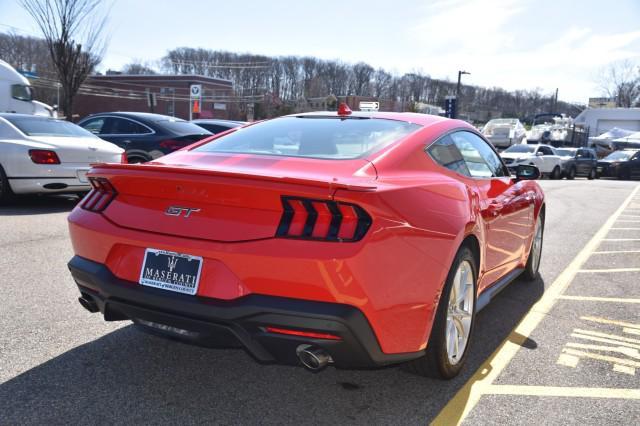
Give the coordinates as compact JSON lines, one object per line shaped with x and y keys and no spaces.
{"x":44,"y":185}
{"x":213,"y":322}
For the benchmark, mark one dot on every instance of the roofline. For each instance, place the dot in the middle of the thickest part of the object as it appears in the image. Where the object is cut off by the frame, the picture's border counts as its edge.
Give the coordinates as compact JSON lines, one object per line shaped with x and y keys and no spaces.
{"x":142,"y":76}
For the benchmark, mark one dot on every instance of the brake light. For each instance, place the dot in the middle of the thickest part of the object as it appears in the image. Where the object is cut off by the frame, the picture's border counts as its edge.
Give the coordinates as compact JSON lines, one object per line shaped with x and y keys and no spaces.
{"x":310,"y":334}
{"x":124,"y":159}
{"x":100,"y":196}
{"x":344,"y":109}
{"x":43,"y":156}
{"x":322,"y":220}
{"x":174,"y":145}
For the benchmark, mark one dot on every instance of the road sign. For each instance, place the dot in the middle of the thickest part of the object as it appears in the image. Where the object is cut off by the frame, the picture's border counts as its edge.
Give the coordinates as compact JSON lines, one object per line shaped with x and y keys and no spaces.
{"x":450,"y":107}
{"x":196,"y":91}
{"x":369,"y":106}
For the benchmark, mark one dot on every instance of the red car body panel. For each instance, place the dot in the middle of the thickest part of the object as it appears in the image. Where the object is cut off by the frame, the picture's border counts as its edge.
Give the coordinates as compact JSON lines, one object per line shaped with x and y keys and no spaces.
{"x":420,"y":211}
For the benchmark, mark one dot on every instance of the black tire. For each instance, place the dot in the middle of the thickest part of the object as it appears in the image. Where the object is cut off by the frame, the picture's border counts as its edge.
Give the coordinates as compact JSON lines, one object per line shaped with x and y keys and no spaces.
{"x":5,"y":189}
{"x":572,"y":173}
{"x":531,"y":269}
{"x":592,"y":174}
{"x":556,"y":173}
{"x":435,"y":363}
{"x":136,"y":159}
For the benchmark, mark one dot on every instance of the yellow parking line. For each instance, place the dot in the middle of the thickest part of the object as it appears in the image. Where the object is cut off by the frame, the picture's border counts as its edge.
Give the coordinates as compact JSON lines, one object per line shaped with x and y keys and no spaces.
{"x":599,"y":299}
{"x":609,"y":270}
{"x":611,"y":359}
{"x":616,"y":252}
{"x":468,"y":396}
{"x":606,"y":335}
{"x":564,"y":391}
{"x":611,"y":322}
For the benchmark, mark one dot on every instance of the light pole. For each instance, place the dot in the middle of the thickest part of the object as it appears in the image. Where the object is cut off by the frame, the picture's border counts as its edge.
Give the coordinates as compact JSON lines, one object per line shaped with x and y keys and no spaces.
{"x":460,"y":73}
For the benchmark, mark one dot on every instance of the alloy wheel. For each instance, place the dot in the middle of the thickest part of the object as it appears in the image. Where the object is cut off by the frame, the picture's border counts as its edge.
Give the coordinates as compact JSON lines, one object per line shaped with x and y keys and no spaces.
{"x":460,"y":312}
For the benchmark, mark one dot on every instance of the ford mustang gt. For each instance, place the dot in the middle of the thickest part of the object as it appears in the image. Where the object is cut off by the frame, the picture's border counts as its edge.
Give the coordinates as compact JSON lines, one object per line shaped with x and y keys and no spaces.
{"x":352,"y":239}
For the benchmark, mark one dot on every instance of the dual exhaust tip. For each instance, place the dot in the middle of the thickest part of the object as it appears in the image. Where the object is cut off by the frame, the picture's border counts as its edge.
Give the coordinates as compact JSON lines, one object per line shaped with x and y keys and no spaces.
{"x":313,"y":358}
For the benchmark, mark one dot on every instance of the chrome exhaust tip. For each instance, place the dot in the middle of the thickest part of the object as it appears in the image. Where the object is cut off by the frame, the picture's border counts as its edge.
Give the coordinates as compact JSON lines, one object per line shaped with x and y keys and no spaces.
{"x":313,"y":358}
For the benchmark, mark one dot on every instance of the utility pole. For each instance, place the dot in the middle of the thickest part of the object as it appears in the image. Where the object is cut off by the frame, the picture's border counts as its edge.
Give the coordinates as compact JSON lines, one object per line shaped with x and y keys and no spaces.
{"x":555,"y":102}
{"x":458,"y":104}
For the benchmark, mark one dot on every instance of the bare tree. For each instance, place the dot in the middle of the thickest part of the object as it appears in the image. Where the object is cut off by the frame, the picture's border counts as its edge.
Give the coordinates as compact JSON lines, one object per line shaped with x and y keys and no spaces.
{"x":621,"y":81}
{"x":73,"y":31}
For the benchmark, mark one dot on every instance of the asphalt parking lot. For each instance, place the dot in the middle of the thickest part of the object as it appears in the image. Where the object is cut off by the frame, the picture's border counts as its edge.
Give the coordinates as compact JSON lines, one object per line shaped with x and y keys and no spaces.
{"x":561,"y":350}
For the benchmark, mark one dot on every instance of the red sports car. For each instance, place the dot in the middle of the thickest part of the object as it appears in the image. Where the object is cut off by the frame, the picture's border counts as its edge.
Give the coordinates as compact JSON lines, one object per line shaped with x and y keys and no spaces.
{"x":352,"y":239}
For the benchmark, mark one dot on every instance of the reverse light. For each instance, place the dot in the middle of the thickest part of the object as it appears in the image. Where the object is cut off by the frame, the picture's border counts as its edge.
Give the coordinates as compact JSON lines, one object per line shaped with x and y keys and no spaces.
{"x":100,"y":196}
{"x":44,"y":156}
{"x":310,"y":334}
{"x":322,"y":220}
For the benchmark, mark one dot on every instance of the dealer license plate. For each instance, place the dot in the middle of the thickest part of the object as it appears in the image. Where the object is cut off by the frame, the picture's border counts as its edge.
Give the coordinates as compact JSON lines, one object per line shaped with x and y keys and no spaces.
{"x":82,"y":176}
{"x":171,"y":271}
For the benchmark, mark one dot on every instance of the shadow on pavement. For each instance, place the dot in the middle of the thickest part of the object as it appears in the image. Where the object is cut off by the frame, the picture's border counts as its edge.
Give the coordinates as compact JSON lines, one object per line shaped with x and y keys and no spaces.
{"x":32,"y":205}
{"x":131,"y":376}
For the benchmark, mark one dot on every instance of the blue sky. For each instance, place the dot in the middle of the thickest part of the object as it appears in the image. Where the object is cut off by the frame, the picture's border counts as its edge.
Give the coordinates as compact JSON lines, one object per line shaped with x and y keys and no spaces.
{"x":523,"y":44}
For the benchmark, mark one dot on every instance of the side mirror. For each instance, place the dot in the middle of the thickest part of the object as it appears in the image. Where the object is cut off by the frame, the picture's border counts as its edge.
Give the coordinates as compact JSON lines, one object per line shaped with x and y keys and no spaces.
{"x":539,"y":153}
{"x":527,"y":172}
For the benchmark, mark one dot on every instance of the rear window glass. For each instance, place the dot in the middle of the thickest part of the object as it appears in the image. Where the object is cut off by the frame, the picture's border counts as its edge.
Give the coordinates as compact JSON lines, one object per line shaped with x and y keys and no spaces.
{"x":181,"y":127}
{"x":318,"y":137}
{"x":35,"y":126}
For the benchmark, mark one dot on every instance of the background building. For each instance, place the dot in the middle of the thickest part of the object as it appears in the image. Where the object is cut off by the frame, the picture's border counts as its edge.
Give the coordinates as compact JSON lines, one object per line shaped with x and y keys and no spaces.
{"x":162,"y":94}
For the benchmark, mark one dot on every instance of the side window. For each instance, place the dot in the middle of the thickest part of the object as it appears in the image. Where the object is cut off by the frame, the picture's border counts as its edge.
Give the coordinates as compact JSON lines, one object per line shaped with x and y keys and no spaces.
{"x":95,"y":125}
{"x":481,"y":159}
{"x":122,"y":126}
{"x":445,"y":153}
{"x":546,"y":150}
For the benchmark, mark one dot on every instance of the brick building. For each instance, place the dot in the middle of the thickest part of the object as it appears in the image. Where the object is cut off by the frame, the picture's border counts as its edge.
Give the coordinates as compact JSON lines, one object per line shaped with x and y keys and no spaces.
{"x":118,"y":92}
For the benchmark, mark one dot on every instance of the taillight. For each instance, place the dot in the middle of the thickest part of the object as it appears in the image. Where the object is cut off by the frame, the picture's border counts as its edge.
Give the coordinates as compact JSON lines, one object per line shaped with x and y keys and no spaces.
{"x":322,"y":220}
{"x":174,"y":145}
{"x":100,"y":196}
{"x":124,"y":159}
{"x":43,"y":156}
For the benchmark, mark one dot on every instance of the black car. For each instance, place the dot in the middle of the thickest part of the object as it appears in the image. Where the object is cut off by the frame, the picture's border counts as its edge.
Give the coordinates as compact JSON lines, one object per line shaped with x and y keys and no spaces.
{"x":578,"y":162}
{"x":218,"y":126}
{"x":144,"y":136}
{"x":624,"y":164}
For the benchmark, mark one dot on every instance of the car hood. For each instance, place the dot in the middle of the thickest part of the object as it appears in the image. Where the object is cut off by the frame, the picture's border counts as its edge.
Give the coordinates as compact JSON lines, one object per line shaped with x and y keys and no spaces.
{"x":515,"y":155}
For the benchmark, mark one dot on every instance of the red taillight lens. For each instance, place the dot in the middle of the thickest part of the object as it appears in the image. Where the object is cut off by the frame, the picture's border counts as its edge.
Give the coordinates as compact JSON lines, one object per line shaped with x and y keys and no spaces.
{"x":43,"y":156}
{"x":310,"y":334}
{"x":322,"y":220}
{"x":174,"y":145}
{"x":124,"y":159}
{"x":100,"y":196}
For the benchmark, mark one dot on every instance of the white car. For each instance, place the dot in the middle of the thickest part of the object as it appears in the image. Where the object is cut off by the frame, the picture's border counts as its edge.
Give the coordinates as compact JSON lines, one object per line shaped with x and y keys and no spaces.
{"x":542,"y":156}
{"x":504,"y":132}
{"x":46,"y":155}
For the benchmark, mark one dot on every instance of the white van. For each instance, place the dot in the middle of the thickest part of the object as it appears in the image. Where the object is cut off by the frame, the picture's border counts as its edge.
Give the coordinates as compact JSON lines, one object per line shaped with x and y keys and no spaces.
{"x":16,"y":94}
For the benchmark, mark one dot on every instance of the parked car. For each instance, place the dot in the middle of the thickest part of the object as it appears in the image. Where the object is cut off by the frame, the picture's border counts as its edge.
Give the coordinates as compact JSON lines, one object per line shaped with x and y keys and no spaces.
{"x":357,"y":247}
{"x":578,"y":162}
{"x":542,"y":156}
{"x":504,"y":132}
{"x":144,"y":136}
{"x":218,"y":126}
{"x":44,"y":155}
{"x":623,"y":164}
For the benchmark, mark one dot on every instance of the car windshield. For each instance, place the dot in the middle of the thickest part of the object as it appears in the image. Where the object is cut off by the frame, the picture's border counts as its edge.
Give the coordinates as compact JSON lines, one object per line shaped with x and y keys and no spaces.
{"x":182,"y":127}
{"x":565,"y":152}
{"x":319,"y":137}
{"x":620,"y":155}
{"x":521,"y":148}
{"x":42,"y":126}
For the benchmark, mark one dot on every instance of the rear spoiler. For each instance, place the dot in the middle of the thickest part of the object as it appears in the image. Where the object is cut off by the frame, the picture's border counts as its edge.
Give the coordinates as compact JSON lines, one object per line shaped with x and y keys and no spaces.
{"x":115,"y":168}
